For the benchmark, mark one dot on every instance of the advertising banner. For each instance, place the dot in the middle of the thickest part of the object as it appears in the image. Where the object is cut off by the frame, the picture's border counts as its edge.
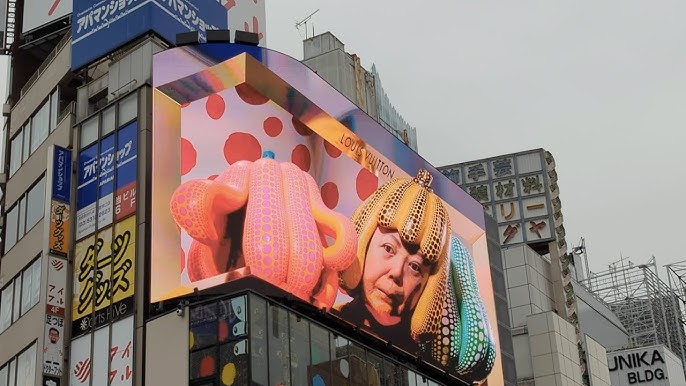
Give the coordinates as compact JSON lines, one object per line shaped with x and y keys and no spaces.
{"x":80,"y":362}
{"x":61,"y":174}
{"x":104,"y":276}
{"x":60,"y":226}
{"x":107,"y":180}
{"x":53,"y":346}
{"x":8,"y":25}
{"x":101,"y":26}
{"x":43,"y":12}
{"x":57,"y":284}
{"x":249,"y":16}
{"x":260,"y":168}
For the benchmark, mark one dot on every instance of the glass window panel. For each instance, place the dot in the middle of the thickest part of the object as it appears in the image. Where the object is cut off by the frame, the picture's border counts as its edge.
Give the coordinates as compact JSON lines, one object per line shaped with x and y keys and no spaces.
{"x":340,"y":367}
{"x":411,"y":378}
{"x":36,"y":204}
{"x":3,"y":376}
{"x":21,"y":229}
{"x":203,"y":326}
{"x":233,"y":360}
{"x":300,"y":349}
{"x":11,"y":228}
{"x":422,"y":380}
{"x":12,"y":372}
{"x":357,"y":361}
{"x":258,"y":340}
{"x":374,"y":369}
{"x":26,"y":283}
{"x":233,"y":316}
{"x":26,"y":367}
{"x":15,"y":155}
{"x":16,"y":307}
{"x":320,"y":355}
{"x":27,"y":142}
{"x":54,"y":109}
{"x":128,"y":108}
{"x":277,"y":337}
{"x":6,"y":307}
{"x":108,"y":120}
{"x":89,"y":132}
{"x":40,"y":126}
{"x":392,"y":373}
{"x":203,"y":363}
{"x":35,"y":282}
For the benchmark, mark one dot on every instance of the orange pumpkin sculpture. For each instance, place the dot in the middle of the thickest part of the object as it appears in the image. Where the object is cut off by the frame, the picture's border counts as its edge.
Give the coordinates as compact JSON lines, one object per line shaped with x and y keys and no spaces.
{"x":268,"y":216}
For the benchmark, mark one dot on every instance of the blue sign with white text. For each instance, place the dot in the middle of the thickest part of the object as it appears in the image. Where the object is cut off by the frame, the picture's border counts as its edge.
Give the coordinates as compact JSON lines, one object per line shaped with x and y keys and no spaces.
{"x":101,"y":26}
{"x":86,"y":193}
{"x":127,"y":153}
{"x":61,"y":174}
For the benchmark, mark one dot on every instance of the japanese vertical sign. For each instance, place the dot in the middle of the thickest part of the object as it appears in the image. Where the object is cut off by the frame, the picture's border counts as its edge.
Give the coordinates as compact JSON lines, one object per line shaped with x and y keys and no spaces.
{"x":104,"y":260}
{"x":104,"y":272}
{"x":58,"y":247}
{"x":107,"y":180}
{"x":109,"y":362}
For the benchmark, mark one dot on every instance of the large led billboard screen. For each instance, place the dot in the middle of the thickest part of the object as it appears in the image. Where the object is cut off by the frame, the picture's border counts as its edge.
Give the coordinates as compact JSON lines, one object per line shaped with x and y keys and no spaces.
{"x":260,"y":168}
{"x":101,"y":26}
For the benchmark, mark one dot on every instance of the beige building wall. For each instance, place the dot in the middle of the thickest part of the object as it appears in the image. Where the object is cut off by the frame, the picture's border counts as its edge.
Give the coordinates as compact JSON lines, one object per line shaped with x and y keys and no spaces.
{"x":167,"y":347}
{"x":554,"y":352}
{"x":596,"y":358}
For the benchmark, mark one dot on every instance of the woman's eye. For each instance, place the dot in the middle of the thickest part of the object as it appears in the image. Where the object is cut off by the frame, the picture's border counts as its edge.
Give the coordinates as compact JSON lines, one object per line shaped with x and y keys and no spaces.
{"x":415,"y":266}
{"x":388,"y":248}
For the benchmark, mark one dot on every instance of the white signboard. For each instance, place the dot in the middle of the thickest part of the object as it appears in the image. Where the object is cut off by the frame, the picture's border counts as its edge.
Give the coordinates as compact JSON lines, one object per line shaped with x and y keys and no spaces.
{"x":654,"y":365}
{"x":81,"y":365}
{"x":247,"y":15}
{"x":57,"y":282}
{"x":53,"y":347}
{"x":38,"y":13}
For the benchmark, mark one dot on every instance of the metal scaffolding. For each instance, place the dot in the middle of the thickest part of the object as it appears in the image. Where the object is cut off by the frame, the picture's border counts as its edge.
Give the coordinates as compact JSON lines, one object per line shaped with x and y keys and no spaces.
{"x":648,"y":308}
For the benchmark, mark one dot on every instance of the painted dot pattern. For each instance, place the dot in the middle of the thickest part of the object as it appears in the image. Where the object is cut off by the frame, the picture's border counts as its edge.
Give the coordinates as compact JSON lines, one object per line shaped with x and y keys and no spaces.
{"x":189,"y":156}
{"x":301,"y":157}
{"x":330,"y":195}
{"x":272,"y":126}
{"x":242,"y":147}
{"x":215,"y":106}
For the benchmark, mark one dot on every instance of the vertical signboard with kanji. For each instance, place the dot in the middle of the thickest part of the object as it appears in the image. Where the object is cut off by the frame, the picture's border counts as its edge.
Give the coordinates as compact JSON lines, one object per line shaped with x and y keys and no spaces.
{"x":514,"y":189}
{"x":58,"y":240}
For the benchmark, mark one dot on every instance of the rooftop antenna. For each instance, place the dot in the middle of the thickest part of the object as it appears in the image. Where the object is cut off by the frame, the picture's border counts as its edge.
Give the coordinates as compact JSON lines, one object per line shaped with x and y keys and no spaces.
{"x":304,"y":21}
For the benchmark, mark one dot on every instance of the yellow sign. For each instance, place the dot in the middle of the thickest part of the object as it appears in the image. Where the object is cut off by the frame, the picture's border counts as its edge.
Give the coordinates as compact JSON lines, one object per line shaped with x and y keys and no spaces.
{"x":59,"y":228}
{"x":104,"y":275}
{"x":123,"y":259}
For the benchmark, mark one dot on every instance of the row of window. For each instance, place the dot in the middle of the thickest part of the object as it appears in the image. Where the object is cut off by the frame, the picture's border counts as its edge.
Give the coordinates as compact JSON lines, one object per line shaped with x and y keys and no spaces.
{"x":20,"y":295}
{"x":34,"y":132}
{"x":116,"y":115}
{"x":25,"y":213}
{"x":20,"y":370}
{"x":264,"y":344}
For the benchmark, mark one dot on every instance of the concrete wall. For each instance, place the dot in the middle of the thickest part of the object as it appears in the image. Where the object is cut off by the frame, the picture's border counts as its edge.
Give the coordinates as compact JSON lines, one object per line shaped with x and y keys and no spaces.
{"x":554,"y":353}
{"x":596,"y":360}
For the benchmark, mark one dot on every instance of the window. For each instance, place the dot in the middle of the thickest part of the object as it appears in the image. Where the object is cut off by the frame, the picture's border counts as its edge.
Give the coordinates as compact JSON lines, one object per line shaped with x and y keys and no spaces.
{"x":20,"y":295}
{"x":24,"y":215}
{"x":35,"y":131}
{"x":35,"y":200}
{"x":108,"y":120}
{"x":11,"y":231}
{"x":15,"y":155}
{"x":128,"y":108}
{"x":40,"y":126}
{"x":20,"y":370}
{"x":30,"y":290}
{"x":6,"y":307}
{"x":89,"y":131}
{"x":54,"y":109}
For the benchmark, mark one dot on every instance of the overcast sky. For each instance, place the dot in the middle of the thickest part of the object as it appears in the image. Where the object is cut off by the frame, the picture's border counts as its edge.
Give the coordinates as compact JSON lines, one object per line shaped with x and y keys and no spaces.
{"x":600,"y":84}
